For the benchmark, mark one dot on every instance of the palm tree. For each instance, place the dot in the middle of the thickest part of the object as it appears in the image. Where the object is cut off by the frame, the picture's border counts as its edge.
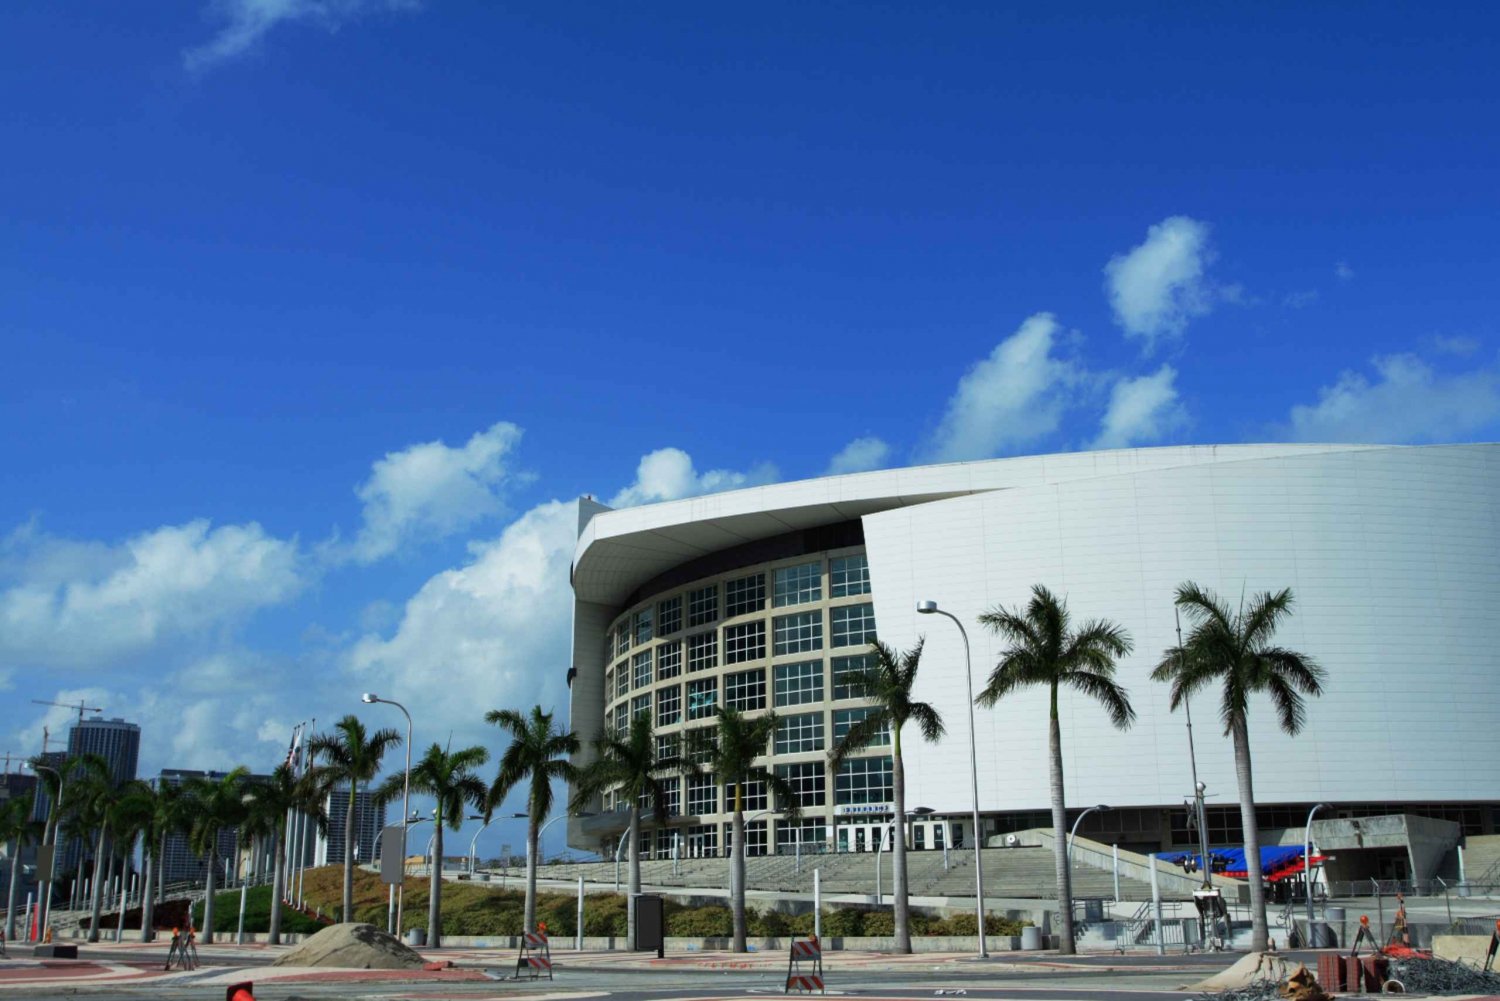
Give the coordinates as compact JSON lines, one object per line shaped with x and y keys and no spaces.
{"x":17,"y":827}
{"x":173,"y":816}
{"x":132,"y":816}
{"x":730,"y":751}
{"x":90,"y":795}
{"x":633,"y":768}
{"x":266,"y":809}
{"x":352,"y":755}
{"x":888,"y":684}
{"x":1046,"y":651}
{"x":540,"y":752}
{"x":215,"y":805}
{"x":448,"y":777}
{"x":1235,"y":650}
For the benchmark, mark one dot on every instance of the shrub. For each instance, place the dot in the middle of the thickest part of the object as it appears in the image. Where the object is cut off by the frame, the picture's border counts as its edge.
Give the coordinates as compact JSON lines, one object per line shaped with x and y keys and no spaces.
{"x":843,"y":922}
{"x":771,"y":924}
{"x":701,"y":922}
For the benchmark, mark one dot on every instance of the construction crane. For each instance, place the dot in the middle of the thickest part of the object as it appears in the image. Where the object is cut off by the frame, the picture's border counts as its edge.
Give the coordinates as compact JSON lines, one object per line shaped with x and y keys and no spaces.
{"x":80,"y":708}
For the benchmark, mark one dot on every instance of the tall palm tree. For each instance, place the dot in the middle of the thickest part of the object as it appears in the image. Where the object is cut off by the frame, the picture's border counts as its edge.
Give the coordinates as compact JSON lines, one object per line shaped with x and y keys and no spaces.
{"x":888,"y":682}
{"x":174,"y":815}
{"x":539,"y":752}
{"x":1046,"y":651}
{"x":448,"y":777}
{"x":91,"y":792}
{"x":216,"y":804}
{"x":266,"y":809}
{"x":730,"y":752}
{"x":631,"y":766}
{"x":17,"y":827}
{"x":1235,"y":650}
{"x":131,"y":816}
{"x":352,"y":754}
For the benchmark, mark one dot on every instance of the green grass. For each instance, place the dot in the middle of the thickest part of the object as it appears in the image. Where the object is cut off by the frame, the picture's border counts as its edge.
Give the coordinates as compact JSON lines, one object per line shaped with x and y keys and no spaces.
{"x":257,"y":913}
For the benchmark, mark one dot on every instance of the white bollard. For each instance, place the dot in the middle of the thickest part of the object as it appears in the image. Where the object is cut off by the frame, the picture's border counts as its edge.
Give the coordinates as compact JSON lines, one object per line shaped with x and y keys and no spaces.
{"x":578,"y":937}
{"x":1161,"y":944}
{"x":818,"y":904}
{"x":1115,"y":851}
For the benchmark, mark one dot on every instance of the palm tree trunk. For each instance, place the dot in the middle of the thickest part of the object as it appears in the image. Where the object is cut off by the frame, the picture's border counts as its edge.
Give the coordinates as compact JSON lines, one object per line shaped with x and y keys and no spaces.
{"x":435,"y":888}
{"x":208,"y":893}
{"x":278,"y":873}
{"x":737,"y":891}
{"x":634,"y":834}
{"x":533,"y":845}
{"x":148,"y":894}
{"x":1260,"y":930}
{"x":349,"y":833}
{"x":1065,"y":945}
{"x":161,"y":871}
{"x":15,"y":886}
{"x":901,"y":905}
{"x":96,"y":894}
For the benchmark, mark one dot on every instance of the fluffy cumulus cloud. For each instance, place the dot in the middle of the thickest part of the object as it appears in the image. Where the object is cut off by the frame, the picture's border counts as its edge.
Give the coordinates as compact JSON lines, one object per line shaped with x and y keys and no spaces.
{"x":1141,"y":410}
{"x":1406,"y":401}
{"x":85,"y":605}
{"x":668,"y":474}
{"x":243,"y":23}
{"x":859,"y":455}
{"x":1012,"y":398}
{"x":1158,"y":286}
{"x":433,"y":490}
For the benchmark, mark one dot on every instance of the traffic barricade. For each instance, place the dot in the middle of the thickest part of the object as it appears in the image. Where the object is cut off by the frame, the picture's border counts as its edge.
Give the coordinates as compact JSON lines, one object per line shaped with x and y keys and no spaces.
{"x":804,"y":966}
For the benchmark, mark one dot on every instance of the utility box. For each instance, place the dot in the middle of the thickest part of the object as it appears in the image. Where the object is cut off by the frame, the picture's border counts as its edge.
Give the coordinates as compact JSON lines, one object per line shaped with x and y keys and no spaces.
{"x":650,"y":924}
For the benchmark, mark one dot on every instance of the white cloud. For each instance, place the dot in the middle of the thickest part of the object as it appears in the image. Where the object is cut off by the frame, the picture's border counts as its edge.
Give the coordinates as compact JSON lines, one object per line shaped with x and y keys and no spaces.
{"x":1141,"y":410}
{"x":1299,"y":300}
{"x":1406,"y":402}
{"x":1015,"y":396}
{"x":1342,"y":271}
{"x":668,"y":474}
{"x":87,"y":604}
{"x":245,"y":22}
{"x":859,"y":455}
{"x":1458,"y":344}
{"x":1158,"y":286}
{"x":432,"y":490}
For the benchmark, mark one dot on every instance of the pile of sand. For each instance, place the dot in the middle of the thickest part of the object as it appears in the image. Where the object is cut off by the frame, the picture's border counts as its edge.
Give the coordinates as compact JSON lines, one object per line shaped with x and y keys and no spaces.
{"x":353,"y":947}
{"x":1253,"y":967}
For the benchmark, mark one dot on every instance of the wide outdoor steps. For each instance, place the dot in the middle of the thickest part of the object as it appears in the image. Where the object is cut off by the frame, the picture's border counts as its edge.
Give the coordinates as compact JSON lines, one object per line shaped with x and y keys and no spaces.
{"x":1482,"y":858}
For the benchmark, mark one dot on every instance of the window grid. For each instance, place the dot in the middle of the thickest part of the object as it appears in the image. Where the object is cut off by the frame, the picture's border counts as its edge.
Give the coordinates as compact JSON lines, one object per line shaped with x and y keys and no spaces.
{"x":798,"y":733}
{"x":699,"y":744}
{"x":848,"y":576}
{"x":641,"y":668}
{"x":844,"y":719}
{"x":703,"y":698}
{"x":799,"y":684}
{"x":863,"y":781}
{"x":702,"y":840}
{"x":671,"y":797}
{"x":745,"y":595}
{"x":755,"y":837}
{"x":703,"y":651}
{"x":641,"y":704}
{"x":798,"y":633}
{"x":753,"y":797}
{"x":622,"y":719}
{"x":808,"y":780}
{"x":798,"y":585}
{"x":669,"y":705}
{"x":847,"y":673}
{"x":745,"y":691}
{"x":808,"y":832}
{"x":703,"y":605}
{"x":643,"y":620}
{"x":666,"y":745}
{"x":669,"y":616}
{"x":622,"y":679}
{"x":622,"y":638}
{"x":745,"y":642}
{"x":702,"y":795}
{"x":853,"y":625}
{"x":668,"y":660}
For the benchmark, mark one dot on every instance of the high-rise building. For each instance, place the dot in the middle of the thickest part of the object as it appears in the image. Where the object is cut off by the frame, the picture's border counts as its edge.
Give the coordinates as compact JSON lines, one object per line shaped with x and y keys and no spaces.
{"x":12,"y":786}
{"x":114,"y":740}
{"x":369,"y":818}
{"x":179,"y":862}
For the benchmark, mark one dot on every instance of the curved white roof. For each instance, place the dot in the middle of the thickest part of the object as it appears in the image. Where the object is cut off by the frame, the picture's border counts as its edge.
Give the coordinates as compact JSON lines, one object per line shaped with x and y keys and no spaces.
{"x":620,"y":550}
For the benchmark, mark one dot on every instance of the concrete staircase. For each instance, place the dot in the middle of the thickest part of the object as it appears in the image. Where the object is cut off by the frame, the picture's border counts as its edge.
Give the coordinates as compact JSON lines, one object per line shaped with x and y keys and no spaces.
{"x":1482,"y":859}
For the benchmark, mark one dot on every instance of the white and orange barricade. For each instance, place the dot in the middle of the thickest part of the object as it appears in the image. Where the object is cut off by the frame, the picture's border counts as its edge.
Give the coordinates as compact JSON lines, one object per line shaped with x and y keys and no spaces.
{"x":804,"y":966}
{"x":536,"y":955}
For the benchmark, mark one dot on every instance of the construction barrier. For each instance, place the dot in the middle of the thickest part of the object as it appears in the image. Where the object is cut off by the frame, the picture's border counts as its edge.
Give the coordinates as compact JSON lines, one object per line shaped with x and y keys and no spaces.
{"x":1489,"y":957}
{"x":535,"y":957}
{"x":804,"y":966}
{"x":183,"y":952}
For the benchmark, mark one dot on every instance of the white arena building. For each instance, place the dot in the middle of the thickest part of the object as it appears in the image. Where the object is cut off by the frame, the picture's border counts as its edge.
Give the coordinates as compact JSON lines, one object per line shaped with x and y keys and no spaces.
{"x":765,"y":598}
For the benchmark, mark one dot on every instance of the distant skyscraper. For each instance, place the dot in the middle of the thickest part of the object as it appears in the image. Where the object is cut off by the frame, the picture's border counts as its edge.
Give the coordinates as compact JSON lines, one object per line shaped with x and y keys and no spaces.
{"x":114,"y":740}
{"x":369,"y":818}
{"x":13,"y":785}
{"x":179,"y":862}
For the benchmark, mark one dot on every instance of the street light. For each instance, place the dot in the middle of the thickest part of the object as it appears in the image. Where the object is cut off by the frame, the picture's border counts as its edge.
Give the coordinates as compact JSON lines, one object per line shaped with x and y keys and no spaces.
{"x":474,"y":841}
{"x":398,"y":900}
{"x":931,"y":608}
{"x":1307,"y":865}
{"x":52,"y":827}
{"x":1073,"y":834}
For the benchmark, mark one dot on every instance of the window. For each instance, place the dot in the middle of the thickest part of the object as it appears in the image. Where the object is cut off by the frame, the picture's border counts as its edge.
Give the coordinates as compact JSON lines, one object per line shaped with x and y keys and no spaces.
{"x":798,"y":585}
{"x":702,"y":840}
{"x":843,"y":719}
{"x":703,"y":651}
{"x":668,"y":660}
{"x":609,"y":683}
{"x":643,"y":626}
{"x":848,"y":576}
{"x":745,"y":642}
{"x":748,"y":594}
{"x":802,"y":732}
{"x":853,"y":625}
{"x":755,"y":837}
{"x":671,"y":796}
{"x":703,"y":605}
{"x":669,"y":705}
{"x":666,"y":746}
{"x":848,"y":675}
{"x":669,"y":616}
{"x":808,"y":781}
{"x":666,"y":840}
{"x":753,"y":797}
{"x":798,"y":633}
{"x":622,"y":679}
{"x":746,"y":690}
{"x":810,"y":834}
{"x":641,"y":704}
{"x":703,"y":697}
{"x":622,"y":637}
{"x":800,"y":683}
{"x":863,"y":781}
{"x":699,"y":744}
{"x":702,"y":795}
{"x":641,"y":667}
{"x":622,"y":719}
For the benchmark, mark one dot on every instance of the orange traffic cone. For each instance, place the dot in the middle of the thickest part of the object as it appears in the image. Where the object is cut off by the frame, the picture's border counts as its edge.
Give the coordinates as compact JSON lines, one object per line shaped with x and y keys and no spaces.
{"x":240,"y":992}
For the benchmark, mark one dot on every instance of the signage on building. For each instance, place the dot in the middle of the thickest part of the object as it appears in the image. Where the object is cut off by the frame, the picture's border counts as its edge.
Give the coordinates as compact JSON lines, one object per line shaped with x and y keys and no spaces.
{"x":862,"y":809}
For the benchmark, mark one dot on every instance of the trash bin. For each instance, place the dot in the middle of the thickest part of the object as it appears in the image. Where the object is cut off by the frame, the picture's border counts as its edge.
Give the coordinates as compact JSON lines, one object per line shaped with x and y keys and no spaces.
{"x":1093,"y":910}
{"x":650,"y":924}
{"x":416,"y":937}
{"x":1322,"y":937}
{"x":1031,"y":938}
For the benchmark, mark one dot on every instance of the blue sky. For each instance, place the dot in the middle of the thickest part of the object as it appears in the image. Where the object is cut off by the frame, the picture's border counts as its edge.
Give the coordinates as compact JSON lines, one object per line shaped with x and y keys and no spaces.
{"x":313,"y":312}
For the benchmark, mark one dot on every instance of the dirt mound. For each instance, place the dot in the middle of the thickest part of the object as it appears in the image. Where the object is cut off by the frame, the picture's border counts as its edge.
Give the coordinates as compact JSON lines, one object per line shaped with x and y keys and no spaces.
{"x":353,"y":947}
{"x":1252,"y":968}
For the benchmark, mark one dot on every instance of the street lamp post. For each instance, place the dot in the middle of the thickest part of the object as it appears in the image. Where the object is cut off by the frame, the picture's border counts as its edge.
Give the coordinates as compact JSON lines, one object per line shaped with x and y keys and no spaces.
{"x":1073,"y":836}
{"x":1307,"y":866}
{"x":474,"y":841}
{"x":46,"y":895}
{"x":398,"y":898}
{"x":931,"y":608}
